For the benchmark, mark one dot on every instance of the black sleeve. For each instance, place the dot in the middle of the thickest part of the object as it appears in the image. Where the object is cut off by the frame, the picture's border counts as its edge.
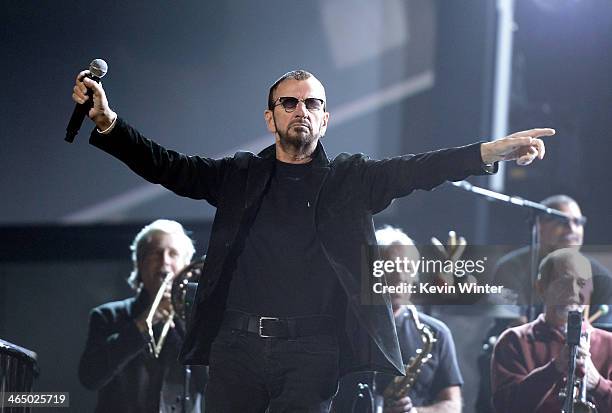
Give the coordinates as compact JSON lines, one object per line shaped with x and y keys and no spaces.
{"x":110,"y":346}
{"x":190,"y":176}
{"x":391,"y":178}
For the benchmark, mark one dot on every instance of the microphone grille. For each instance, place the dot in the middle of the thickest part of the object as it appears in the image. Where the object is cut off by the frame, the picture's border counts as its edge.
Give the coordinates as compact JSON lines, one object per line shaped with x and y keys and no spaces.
{"x":98,"y":67}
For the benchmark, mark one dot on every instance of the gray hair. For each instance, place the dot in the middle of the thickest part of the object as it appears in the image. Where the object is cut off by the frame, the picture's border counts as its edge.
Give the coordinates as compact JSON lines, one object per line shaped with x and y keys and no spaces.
{"x":141,"y":240}
{"x":389,"y":235}
{"x":394,"y":243}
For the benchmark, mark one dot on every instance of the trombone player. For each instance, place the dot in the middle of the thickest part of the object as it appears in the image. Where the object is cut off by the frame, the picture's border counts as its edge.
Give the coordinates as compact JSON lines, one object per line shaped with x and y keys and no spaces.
{"x":117,"y":361}
{"x":530,"y":362}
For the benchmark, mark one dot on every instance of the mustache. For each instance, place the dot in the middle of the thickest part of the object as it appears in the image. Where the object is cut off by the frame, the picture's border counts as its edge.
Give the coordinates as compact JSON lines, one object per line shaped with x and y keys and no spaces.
{"x":298,"y":122}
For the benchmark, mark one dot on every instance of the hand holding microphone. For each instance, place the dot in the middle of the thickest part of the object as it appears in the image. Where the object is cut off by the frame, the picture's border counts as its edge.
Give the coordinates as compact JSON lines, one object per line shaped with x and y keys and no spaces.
{"x":91,"y":100}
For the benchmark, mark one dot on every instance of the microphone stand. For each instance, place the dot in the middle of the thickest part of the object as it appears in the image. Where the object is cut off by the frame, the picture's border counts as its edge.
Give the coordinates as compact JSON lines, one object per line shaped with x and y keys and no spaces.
{"x":186,"y":387}
{"x":536,"y":210}
{"x":367,"y":392}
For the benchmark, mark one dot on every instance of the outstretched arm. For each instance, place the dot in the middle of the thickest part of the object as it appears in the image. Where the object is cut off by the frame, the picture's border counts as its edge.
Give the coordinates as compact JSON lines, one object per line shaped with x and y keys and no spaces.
{"x":190,"y":176}
{"x":395,"y":177}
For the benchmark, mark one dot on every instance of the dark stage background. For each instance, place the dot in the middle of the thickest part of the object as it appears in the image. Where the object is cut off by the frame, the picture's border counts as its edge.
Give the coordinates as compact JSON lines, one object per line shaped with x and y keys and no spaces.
{"x":401,"y":76}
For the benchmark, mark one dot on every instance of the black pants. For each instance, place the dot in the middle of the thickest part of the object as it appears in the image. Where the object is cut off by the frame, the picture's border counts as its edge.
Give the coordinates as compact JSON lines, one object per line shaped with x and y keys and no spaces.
{"x":249,"y":373}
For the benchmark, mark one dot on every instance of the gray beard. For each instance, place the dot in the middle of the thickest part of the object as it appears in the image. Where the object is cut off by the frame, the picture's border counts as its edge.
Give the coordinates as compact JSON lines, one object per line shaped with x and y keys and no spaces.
{"x":296,"y":144}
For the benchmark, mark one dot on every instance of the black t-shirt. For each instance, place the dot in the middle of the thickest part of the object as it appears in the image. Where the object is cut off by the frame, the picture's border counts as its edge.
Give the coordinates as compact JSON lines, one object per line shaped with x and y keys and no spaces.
{"x":438,"y":373}
{"x":281,"y":270}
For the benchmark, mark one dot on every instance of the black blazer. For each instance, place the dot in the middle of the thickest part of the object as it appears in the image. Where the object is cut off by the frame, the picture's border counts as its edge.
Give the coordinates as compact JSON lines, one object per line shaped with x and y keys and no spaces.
{"x":117,"y":364}
{"x":351,"y":189}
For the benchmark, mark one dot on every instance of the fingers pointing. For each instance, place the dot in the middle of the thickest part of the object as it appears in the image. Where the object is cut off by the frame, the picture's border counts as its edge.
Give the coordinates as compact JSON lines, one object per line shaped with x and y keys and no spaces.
{"x":534,"y":133}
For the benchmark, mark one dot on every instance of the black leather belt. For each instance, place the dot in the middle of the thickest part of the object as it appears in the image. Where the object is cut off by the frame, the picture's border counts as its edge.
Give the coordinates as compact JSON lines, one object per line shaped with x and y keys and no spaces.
{"x":280,"y":327}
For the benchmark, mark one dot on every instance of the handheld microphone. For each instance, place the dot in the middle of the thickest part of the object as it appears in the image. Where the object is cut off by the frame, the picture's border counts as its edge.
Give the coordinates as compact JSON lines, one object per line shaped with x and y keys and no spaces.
{"x":574,"y":327}
{"x":97,"y":69}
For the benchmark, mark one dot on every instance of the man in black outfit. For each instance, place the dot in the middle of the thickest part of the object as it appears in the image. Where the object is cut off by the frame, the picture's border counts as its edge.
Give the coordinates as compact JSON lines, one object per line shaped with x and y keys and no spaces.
{"x":116,"y":360}
{"x":278,"y":315}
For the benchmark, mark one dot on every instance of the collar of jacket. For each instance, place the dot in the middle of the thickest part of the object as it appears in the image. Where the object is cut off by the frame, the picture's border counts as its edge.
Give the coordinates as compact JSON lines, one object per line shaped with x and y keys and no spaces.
{"x":262,"y":165}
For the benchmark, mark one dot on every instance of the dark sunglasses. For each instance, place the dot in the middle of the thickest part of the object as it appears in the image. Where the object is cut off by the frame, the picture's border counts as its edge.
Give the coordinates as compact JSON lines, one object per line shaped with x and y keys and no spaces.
{"x":289,"y":103}
{"x":578,"y":221}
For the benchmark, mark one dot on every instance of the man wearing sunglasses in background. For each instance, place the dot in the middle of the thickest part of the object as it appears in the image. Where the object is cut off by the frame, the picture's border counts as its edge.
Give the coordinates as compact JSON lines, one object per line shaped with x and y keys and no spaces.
{"x":278,"y":316}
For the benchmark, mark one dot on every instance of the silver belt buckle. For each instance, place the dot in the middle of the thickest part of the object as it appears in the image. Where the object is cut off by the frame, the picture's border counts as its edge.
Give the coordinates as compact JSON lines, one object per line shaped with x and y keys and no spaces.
{"x":261,"y":325}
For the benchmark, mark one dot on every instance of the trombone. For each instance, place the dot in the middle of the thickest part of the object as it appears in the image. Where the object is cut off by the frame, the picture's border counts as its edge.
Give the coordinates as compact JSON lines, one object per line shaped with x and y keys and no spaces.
{"x":182,"y":293}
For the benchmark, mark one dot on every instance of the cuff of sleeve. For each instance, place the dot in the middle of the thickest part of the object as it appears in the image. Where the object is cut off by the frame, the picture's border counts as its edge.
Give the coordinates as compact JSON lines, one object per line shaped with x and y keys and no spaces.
{"x":490,"y":168}
{"x":487,"y":168}
{"x":98,"y":138}
{"x":471,"y":160}
{"x":109,"y":129}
